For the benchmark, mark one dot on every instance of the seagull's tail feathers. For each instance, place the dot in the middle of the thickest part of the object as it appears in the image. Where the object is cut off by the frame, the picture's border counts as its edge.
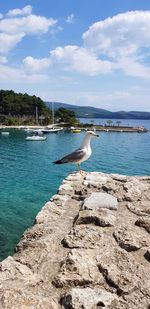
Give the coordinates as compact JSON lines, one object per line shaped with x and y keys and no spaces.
{"x":61,"y":161}
{"x":58,"y":162}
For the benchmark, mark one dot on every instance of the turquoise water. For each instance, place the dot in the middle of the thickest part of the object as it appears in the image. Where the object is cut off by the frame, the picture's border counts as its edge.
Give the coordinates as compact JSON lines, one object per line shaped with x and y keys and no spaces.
{"x":28,"y":178}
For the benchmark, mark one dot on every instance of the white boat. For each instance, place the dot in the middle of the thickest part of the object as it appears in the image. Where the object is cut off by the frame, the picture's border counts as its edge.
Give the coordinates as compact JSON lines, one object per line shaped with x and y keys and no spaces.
{"x":51,"y":130}
{"x":35,"y":138}
{"x":38,"y":131}
{"x":29,"y":130}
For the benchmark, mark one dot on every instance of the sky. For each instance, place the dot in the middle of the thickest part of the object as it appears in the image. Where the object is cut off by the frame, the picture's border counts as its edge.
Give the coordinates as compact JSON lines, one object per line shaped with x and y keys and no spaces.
{"x":83,"y":52}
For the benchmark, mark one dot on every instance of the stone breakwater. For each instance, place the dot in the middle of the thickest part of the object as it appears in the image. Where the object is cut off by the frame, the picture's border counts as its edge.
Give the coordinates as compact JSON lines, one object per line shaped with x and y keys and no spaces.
{"x":89,"y":248}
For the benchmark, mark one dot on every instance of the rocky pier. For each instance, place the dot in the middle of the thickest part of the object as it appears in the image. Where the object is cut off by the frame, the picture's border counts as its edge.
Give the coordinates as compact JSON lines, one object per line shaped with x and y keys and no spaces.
{"x":89,"y":248}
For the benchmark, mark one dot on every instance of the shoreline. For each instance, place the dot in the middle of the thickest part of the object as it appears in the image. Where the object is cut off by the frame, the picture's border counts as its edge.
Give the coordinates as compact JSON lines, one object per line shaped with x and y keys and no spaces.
{"x":104,"y":128}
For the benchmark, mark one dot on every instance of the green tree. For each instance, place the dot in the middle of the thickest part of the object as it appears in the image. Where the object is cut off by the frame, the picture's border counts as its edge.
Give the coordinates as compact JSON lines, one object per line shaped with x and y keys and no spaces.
{"x":65,"y":115}
{"x":22,"y":106}
{"x":109,"y":122}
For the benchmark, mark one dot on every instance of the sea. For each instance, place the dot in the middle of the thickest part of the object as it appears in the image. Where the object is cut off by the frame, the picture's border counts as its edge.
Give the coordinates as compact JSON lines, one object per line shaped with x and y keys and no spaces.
{"x":28,"y":177}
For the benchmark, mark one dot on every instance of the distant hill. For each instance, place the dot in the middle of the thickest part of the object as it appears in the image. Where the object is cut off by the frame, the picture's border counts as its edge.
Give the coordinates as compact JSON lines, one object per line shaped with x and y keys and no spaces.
{"x":93,"y":112}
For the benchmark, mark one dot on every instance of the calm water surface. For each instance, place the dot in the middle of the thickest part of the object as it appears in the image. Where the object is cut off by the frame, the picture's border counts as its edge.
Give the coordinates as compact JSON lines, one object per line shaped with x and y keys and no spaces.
{"x":28,"y":178}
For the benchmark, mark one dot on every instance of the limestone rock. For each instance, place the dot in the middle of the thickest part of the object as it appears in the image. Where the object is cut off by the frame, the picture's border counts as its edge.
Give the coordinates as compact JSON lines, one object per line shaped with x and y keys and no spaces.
{"x":147,"y":255}
{"x":120,"y":178}
{"x":78,"y":269}
{"x":66,"y":189}
{"x":138,"y":299}
{"x":90,"y":258}
{"x":60,"y":200}
{"x":75,"y":177}
{"x":95,"y":179}
{"x":103,"y":217}
{"x":99,"y":200}
{"x":88,"y":298}
{"x":133,"y":190}
{"x":141,"y":208}
{"x":48,"y":211}
{"x":98,"y":177}
{"x":13,"y":272}
{"x":129,"y":239}
{"x":119,"y":270}
{"x":83,"y":236}
{"x":144,"y":222}
{"x":10,"y":268}
{"x":25,"y":299}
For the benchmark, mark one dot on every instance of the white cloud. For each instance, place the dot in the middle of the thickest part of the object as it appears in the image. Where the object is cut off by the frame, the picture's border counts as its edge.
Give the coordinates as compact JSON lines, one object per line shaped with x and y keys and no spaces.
{"x":112,"y":44}
{"x":27,"y":10}
{"x":31,"y":64}
{"x":9,"y":41}
{"x":120,"y":35}
{"x":14,"y":75}
{"x":75,"y":58}
{"x":1,"y":16}
{"x":55,"y":30}
{"x":54,"y":88}
{"x":3,"y":59}
{"x":13,"y":29}
{"x":70,"y":19}
{"x":118,"y":43}
{"x":121,"y":39}
{"x":132,"y":67}
{"x":31,"y":24}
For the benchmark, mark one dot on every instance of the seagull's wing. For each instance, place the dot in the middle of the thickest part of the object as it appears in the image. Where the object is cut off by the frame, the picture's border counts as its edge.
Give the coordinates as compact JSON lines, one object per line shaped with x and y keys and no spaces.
{"x":73,"y":157}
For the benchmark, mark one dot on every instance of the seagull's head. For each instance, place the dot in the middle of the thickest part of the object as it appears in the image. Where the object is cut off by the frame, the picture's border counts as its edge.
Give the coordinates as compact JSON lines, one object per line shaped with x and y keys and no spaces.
{"x":91,"y":134}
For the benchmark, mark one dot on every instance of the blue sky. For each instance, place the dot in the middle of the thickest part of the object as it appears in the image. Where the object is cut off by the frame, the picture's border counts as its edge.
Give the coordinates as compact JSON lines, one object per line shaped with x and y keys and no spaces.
{"x":80,"y":52}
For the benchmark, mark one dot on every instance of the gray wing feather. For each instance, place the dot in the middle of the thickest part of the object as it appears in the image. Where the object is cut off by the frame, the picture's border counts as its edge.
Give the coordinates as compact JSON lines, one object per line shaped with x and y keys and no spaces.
{"x":74,"y":156}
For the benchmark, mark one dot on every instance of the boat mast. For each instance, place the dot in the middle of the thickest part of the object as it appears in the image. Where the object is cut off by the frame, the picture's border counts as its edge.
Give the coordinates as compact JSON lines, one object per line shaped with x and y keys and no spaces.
{"x":36,"y":115}
{"x":53,"y":113}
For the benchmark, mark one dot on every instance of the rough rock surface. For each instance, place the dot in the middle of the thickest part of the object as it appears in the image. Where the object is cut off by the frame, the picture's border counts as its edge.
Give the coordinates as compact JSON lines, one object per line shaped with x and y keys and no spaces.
{"x":89,"y":248}
{"x":129,"y":239}
{"x":103,"y":217}
{"x":87,"y":297}
{"x":145,"y":223}
{"x":98,"y":200}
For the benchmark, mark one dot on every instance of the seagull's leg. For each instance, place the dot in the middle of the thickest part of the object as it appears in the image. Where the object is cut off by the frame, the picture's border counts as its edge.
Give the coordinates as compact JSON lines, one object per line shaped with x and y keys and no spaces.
{"x":79,"y":170}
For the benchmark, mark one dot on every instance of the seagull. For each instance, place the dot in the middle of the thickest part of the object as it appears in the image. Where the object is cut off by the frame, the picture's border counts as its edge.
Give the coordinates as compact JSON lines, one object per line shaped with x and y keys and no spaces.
{"x":81,"y":154}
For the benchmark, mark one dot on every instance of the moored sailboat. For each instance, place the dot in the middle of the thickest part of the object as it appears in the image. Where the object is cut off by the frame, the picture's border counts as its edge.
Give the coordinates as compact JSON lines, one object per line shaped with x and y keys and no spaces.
{"x":53,"y":128}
